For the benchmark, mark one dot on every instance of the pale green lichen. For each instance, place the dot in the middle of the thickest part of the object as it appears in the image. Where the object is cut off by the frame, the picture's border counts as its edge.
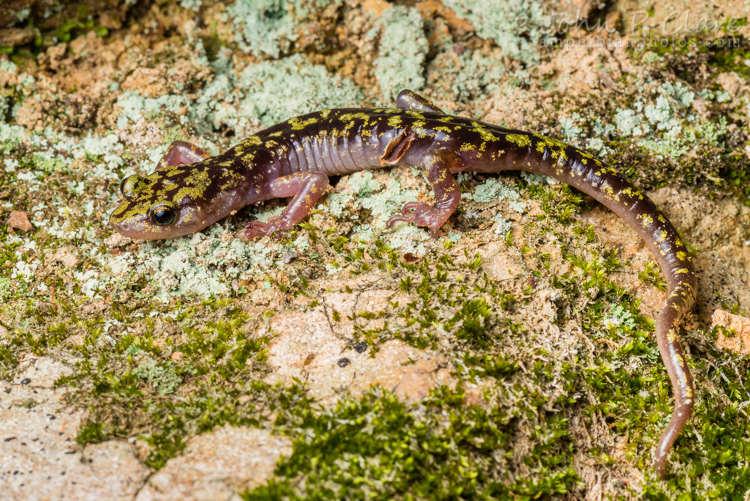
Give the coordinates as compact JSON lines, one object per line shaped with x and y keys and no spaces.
{"x":519,"y":28}
{"x":496,"y":190}
{"x":503,"y":224}
{"x":269,"y":27}
{"x":630,"y":124}
{"x":4,"y":107}
{"x":362,"y":191}
{"x":11,"y":136}
{"x":672,"y":97}
{"x":160,"y":375}
{"x":263,"y":94}
{"x":193,"y":5}
{"x":596,"y":146}
{"x":388,"y":202}
{"x":571,"y":129}
{"x":402,"y":51}
{"x":619,"y":318}
{"x":203,"y":264}
{"x":5,"y":288}
{"x":408,"y":238}
{"x":486,"y":75}
{"x":667,"y":126}
{"x":207,"y":264}
{"x":136,"y":107}
{"x":275,"y":91}
{"x":49,"y":162}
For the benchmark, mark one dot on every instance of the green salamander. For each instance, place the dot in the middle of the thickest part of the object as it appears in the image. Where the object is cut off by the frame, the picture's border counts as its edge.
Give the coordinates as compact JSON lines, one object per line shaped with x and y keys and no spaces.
{"x":189,"y":190}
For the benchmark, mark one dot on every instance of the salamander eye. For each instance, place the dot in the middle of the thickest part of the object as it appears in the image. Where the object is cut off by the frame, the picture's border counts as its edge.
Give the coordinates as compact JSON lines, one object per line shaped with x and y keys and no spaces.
{"x":129,"y":184}
{"x":162,"y":214}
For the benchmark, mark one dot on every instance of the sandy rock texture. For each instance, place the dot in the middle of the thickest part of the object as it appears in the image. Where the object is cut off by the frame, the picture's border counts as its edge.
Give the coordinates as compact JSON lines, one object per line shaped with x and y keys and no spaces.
{"x":511,"y":357}
{"x":217,"y":465}
{"x":40,"y":456}
{"x":736,"y":334}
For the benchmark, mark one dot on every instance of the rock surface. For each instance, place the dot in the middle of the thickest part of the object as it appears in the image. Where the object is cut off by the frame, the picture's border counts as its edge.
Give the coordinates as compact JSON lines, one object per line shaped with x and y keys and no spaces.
{"x":735,"y":335}
{"x":217,"y":465}
{"x":39,"y":456}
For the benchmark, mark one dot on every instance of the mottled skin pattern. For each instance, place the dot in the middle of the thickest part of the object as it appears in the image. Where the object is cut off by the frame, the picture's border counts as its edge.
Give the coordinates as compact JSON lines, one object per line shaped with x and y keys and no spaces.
{"x":190,"y":190}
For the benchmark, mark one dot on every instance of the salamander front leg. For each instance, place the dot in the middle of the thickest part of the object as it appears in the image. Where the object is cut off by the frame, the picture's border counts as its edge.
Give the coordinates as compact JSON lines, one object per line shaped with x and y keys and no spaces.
{"x":305,"y":187}
{"x":437,"y":164}
{"x":181,"y":153}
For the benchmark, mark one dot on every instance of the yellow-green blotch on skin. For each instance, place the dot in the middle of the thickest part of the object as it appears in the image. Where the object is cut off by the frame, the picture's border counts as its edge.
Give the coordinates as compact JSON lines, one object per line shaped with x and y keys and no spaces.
{"x":298,"y":124}
{"x":351,"y":116}
{"x":482,"y":131}
{"x":557,"y":148}
{"x":519,"y":139}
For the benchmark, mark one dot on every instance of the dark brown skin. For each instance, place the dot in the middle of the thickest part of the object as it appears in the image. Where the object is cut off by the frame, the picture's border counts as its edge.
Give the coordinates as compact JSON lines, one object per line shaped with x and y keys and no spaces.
{"x":190,"y":190}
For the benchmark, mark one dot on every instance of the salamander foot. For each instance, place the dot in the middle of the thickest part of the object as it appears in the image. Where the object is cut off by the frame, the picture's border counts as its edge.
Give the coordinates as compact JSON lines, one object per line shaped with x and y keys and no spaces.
{"x":274,"y":227}
{"x":422,"y":214}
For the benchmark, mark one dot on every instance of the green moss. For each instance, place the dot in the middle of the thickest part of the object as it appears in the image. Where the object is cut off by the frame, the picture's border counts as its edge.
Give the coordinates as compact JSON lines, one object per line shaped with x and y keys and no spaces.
{"x":36,"y":334}
{"x":134,"y":389}
{"x":736,"y":170}
{"x":174,"y":422}
{"x":166,"y":371}
{"x":730,"y":56}
{"x":377,"y":447}
{"x":718,"y":467}
{"x":90,"y":433}
{"x":135,"y":106}
{"x":652,"y":275}
{"x":79,"y":26}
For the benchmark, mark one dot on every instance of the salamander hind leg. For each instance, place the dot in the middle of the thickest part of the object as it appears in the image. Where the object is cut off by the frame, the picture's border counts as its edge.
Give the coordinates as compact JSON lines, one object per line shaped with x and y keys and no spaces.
{"x":410,"y":100}
{"x":305,"y":187}
{"x":437,"y":165}
{"x":181,"y":153}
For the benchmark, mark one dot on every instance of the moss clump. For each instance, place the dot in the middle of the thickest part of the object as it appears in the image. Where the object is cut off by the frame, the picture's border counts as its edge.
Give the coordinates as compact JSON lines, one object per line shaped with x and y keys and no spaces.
{"x":134,"y":388}
{"x":377,"y":447}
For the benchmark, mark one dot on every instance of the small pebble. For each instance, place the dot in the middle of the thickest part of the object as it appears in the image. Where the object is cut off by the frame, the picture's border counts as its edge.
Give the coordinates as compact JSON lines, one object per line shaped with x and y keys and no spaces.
{"x":19,"y":220}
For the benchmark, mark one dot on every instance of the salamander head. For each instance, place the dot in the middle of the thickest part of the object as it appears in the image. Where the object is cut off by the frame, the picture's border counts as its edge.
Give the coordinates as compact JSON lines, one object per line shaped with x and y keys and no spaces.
{"x":173,"y":202}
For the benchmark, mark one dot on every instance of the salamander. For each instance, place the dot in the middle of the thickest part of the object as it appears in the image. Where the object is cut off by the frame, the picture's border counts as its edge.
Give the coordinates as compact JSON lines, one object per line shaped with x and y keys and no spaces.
{"x":190,"y":190}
